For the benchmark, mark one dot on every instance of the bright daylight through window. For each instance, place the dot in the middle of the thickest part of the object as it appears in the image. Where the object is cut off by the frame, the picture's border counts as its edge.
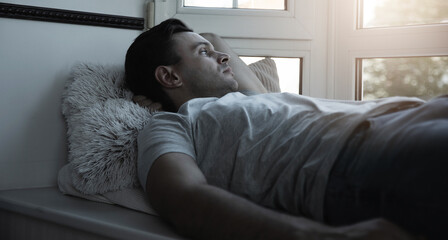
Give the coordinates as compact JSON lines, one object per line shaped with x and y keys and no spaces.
{"x":420,"y":76}
{"x":288,"y":70}
{"x":423,"y":77}
{"x":389,"y":13}
{"x":247,"y":4}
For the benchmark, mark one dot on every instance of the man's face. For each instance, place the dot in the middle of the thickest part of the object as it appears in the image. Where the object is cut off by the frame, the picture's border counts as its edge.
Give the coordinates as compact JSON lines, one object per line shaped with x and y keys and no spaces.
{"x":204,"y":71}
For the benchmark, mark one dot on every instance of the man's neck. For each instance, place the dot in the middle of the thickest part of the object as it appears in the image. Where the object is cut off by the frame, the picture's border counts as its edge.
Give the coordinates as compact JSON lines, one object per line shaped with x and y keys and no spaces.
{"x":179,"y":98}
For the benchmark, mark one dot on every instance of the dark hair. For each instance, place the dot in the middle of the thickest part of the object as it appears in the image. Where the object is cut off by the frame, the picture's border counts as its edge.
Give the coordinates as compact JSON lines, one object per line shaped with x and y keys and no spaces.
{"x":151,"y":49}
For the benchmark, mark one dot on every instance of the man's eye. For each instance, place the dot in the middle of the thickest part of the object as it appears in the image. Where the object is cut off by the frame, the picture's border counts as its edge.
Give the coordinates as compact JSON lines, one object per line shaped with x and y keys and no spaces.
{"x":203,"y":51}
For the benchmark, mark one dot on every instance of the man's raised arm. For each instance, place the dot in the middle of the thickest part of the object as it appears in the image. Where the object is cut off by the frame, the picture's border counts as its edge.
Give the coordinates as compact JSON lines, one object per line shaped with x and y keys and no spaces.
{"x":179,"y":192}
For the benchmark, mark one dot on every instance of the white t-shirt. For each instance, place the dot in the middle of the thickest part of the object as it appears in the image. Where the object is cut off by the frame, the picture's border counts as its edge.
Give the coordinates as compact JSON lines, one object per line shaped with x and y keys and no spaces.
{"x":276,"y":149}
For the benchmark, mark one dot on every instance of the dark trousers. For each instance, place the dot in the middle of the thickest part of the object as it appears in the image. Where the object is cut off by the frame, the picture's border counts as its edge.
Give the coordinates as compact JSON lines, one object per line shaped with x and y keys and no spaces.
{"x":395,"y":167}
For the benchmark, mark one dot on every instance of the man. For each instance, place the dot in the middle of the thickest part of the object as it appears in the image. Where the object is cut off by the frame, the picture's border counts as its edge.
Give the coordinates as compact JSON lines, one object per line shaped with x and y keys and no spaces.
{"x":220,"y":164}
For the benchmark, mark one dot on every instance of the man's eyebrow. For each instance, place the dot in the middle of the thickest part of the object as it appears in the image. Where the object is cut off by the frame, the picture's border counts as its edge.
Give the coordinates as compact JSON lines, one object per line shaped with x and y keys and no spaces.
{"x":196,"y":45}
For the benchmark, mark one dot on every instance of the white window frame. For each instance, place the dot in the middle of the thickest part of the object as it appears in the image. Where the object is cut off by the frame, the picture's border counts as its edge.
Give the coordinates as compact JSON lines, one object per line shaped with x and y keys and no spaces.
{"x":243,"y":23}
{"x":351,"y":43}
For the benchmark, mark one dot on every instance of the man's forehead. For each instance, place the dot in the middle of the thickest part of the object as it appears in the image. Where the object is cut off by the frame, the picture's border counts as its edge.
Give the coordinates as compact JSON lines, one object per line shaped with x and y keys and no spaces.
{"x":190,"y":39}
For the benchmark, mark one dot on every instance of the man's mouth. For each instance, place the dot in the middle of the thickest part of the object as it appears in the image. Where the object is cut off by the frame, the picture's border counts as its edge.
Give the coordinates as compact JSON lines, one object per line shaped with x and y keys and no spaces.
{"x":228,"y":70}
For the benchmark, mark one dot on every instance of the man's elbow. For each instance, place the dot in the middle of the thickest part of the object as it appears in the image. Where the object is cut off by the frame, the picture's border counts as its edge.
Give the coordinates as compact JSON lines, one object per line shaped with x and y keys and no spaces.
{"x":181,"y":207}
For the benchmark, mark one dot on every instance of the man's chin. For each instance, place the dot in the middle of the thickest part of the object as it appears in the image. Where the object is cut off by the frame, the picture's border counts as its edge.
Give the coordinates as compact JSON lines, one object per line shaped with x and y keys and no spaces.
{"x":230,"y":89}
{"x":236,"y":85}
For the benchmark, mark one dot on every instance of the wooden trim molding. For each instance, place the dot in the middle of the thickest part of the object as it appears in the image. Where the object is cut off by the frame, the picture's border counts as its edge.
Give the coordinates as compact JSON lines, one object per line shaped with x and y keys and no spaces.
{"x":68,"y":16}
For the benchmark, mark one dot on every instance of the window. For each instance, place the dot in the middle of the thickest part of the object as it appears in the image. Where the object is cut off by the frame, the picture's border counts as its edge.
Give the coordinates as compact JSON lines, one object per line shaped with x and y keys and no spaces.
{"x":387,"y":48}
{"x":248,"y":4}
{"x":423,"y":77}
{"x":388,"y":13}
{"x":289,"y":72}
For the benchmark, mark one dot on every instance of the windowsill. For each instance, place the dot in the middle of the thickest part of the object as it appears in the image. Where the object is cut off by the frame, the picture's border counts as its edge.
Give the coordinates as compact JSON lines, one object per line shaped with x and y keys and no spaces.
{"x":48,"y":204}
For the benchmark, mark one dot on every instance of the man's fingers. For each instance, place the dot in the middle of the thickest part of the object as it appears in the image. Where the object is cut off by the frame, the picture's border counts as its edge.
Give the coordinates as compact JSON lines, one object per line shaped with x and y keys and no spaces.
{"x":155,"y":106}
{"x":145,"y":102}
{"x":376,"y":229}
{"x":142,"y":100}
{"x":138,"y":98}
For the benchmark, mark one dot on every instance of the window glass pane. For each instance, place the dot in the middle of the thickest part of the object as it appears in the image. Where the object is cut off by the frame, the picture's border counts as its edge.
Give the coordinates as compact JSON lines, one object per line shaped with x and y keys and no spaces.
{"x":288,"y":70}
{"x":388,"y":13}
{"x":423,"y":77}
{"x":262,"y":4}
{"x":248,"y":4}
{"x":208,"y":3}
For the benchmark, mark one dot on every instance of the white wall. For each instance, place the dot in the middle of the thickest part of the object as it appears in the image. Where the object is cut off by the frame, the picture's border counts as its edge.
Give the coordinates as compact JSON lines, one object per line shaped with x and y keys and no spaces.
{"x":35,"y":61}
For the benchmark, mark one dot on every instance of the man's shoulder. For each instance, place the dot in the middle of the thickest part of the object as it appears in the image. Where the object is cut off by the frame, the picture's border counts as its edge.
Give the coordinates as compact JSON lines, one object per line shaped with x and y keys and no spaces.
{"x":165,"y":120}
{"x":166,"y":117}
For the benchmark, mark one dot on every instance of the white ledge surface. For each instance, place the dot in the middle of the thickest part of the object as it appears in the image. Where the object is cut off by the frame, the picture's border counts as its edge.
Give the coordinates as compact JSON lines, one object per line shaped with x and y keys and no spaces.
{"x":103,"y":219}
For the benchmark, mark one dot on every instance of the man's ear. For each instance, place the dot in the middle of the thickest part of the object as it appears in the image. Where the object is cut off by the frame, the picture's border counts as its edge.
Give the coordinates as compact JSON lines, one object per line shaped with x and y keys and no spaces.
{"x":167,"y":77}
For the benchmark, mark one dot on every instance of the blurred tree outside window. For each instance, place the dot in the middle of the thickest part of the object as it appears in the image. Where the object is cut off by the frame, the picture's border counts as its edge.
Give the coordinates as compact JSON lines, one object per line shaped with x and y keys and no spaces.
{"x":422,"y":77}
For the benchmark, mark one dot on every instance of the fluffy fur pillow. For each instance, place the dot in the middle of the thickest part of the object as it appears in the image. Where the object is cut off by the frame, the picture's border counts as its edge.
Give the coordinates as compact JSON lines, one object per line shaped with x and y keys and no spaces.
{"x":105,"y":146}
{"x":103,"y":124}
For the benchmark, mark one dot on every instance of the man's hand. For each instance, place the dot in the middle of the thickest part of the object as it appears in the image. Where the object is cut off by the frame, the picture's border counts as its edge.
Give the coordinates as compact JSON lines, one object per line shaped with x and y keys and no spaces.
{"x":147,"y":103}
{"x":375,"y":229}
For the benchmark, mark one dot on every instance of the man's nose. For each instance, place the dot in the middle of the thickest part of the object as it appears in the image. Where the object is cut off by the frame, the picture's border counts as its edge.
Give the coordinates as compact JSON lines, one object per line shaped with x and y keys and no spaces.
{"x":223,"y":57}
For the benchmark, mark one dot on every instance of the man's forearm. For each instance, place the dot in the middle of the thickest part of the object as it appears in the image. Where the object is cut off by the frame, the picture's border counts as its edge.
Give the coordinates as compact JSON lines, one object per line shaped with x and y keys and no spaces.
{"x":179,"y":192}
{"x":207,"y":212}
